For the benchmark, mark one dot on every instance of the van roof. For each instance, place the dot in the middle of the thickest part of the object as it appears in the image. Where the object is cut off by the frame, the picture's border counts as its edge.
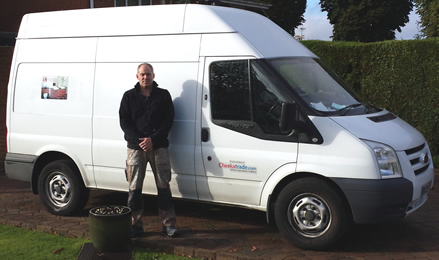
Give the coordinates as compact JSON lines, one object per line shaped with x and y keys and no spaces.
{"x":258,"y":30}
{"x":135,"y":20}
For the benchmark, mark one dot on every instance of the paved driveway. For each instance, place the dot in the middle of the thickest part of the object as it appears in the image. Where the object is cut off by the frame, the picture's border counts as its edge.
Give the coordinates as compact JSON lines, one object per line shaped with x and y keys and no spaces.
{"x":216,"y":232}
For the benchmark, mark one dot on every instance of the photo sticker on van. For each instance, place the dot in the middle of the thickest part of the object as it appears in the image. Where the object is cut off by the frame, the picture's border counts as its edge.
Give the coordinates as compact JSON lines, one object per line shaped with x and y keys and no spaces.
{"x":54,"y":87}
{"x":237,"y":166}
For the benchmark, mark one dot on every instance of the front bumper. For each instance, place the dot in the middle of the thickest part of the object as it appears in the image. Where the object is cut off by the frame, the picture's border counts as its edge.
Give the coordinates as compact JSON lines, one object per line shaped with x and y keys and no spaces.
{"x":375,"y":201}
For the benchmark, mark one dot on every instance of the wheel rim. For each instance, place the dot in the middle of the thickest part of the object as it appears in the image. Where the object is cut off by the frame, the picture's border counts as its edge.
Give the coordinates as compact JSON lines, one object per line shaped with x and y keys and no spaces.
{"x":309,"y":215}
{"x":59,"y":189}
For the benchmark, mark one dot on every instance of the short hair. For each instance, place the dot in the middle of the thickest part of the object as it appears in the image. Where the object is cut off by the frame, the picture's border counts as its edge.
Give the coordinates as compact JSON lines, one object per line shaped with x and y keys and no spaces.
{"x":147,"y":64}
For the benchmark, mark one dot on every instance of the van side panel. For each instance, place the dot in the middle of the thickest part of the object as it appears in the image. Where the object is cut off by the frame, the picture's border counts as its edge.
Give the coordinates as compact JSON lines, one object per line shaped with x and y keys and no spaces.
{"x":176,"y":69}
{"x":57,"y":50}
{"x":157,"y":48}
{"x":52,"y":96}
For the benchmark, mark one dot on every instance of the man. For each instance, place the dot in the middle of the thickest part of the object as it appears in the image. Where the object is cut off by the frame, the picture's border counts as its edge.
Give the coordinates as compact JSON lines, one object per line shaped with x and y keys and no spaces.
{"x":146,"y":115}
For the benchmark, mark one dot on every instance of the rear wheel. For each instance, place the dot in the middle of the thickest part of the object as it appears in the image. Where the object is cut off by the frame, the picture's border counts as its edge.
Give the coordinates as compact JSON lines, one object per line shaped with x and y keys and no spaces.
{"x":61,"y":188}
{"x":311,"y":214}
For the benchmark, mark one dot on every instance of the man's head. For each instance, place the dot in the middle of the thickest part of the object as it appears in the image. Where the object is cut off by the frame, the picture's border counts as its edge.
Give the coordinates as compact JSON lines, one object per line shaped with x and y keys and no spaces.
{"x":145,"y":75}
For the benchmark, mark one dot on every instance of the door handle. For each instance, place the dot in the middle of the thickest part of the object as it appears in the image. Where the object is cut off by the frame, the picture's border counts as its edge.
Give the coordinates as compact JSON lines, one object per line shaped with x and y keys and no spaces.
{"x":204,"y":134}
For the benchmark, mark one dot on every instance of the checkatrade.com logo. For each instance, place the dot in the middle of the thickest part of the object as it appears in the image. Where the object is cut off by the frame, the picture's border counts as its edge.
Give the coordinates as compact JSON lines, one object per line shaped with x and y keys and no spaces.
{"x":237,"y":166}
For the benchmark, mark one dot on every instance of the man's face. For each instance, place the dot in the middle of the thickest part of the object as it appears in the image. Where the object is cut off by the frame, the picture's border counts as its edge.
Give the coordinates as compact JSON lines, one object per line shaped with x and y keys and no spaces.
{"x":145,"y":76}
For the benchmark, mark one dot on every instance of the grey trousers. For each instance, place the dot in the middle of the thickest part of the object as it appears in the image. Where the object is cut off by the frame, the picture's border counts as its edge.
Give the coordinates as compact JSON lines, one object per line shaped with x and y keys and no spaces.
{"x":136,"y":163}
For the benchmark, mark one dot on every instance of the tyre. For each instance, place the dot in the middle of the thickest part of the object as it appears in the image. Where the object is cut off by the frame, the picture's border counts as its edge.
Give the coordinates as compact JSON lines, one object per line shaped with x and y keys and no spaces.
{"x":311,"y":215}
{"x":61,"y":188}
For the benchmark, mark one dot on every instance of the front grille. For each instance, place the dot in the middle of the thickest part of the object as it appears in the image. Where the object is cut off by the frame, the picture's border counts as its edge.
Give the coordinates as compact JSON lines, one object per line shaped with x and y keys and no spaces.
{"x":419,"y":158}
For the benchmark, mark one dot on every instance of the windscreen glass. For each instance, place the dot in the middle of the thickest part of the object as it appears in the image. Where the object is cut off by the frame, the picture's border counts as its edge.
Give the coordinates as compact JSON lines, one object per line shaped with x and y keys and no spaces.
{"x":320,"y":88}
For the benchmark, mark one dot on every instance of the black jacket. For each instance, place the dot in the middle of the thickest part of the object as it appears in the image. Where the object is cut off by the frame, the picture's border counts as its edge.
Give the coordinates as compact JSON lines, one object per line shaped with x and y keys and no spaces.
{"x":146,"y":117}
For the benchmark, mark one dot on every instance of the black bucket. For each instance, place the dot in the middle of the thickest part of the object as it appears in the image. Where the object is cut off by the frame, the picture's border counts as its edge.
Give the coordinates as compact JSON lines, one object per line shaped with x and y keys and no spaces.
{"x":110,"y":228}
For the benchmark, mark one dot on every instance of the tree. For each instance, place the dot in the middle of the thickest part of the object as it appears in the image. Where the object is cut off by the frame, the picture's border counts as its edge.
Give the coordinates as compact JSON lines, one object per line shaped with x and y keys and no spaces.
{"x":366,"y":20}
{"x":428,"y":11}
{"x":288,"y":14}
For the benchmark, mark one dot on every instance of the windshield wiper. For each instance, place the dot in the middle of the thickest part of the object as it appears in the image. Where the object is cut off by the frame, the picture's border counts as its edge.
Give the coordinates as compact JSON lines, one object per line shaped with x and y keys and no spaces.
{"x":346,"y":109}
{"x":369,"y":108}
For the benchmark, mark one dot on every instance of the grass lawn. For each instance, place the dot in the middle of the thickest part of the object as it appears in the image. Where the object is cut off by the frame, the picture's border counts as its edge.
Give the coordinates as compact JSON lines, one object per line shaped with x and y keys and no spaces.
{"x":18,"y":243}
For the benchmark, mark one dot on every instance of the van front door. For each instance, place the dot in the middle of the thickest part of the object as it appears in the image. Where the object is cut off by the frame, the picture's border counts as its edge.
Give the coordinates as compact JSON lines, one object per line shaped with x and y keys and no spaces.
{"x":242,"y":144}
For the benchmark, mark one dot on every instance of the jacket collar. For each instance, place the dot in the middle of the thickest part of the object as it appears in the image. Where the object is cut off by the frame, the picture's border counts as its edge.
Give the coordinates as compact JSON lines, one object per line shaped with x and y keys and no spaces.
{"x":154,"y":87}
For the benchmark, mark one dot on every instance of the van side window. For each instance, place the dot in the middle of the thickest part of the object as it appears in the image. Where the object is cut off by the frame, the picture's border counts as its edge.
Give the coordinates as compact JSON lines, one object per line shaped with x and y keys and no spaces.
{"x":243,"y":93}
{"x":267,"y":102}
{"x":230,"y":91}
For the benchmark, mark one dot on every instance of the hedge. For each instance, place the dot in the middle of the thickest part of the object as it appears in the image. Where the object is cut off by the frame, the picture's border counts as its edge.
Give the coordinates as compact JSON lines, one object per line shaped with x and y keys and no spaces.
{"x":401,"y":76}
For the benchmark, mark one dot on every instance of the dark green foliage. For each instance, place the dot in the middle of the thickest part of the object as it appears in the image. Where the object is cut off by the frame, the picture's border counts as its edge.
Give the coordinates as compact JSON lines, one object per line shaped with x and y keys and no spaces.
{"x":366,"y":20}
{"x":288,"y":14}
{"x":428,"y":11}
{"x":400,"y":76}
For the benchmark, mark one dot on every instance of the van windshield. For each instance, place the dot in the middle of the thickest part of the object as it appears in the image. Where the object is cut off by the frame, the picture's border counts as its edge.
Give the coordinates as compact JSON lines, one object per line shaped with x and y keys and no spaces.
{"x":318,"y":86}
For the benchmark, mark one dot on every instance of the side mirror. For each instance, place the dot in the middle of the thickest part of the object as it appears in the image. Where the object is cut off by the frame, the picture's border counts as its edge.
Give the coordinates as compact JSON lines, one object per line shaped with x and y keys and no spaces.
{"x":287,"y":117}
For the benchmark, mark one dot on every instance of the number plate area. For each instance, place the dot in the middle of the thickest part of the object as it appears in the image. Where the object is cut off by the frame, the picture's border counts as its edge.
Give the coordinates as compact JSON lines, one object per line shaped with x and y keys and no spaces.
{"x":414,"y":205}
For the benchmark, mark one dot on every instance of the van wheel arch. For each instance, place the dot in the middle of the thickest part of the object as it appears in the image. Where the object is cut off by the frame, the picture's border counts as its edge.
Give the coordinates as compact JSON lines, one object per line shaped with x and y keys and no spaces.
{"x":61,"y":187}
{"x":311,"y":211}
{"x":279,"y":187}
{"x":293,"y":177}
{"x":52,"y":157}
{"x":41,"y":162}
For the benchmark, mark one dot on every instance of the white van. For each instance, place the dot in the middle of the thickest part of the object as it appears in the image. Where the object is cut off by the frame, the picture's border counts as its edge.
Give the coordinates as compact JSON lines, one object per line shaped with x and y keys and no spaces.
{"x":260,"y":122}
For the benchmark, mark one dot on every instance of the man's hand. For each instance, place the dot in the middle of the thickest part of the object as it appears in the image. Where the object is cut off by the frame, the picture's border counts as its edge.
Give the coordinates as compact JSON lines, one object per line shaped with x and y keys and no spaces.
{"x":146,"y":144}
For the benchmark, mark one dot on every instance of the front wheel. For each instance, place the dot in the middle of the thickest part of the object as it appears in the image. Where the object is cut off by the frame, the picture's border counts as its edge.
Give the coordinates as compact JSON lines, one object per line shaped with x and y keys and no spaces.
{"x":61,"y":188}
{"x":311,"y":214}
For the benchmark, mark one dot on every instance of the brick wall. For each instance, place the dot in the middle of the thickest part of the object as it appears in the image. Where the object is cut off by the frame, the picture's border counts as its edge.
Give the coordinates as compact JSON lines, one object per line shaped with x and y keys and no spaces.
{"x":103,"y":3}
{"x":11,"y":12}
{"x":5,"y":65}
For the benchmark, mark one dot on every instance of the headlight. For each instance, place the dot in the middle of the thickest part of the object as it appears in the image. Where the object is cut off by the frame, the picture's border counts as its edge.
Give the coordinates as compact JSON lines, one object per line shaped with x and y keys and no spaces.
{"x":388,"y":163}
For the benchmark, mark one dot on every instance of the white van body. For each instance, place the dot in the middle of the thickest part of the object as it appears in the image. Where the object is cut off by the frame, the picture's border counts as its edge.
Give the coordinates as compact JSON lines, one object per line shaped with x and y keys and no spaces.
{"x":71,"y":68}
